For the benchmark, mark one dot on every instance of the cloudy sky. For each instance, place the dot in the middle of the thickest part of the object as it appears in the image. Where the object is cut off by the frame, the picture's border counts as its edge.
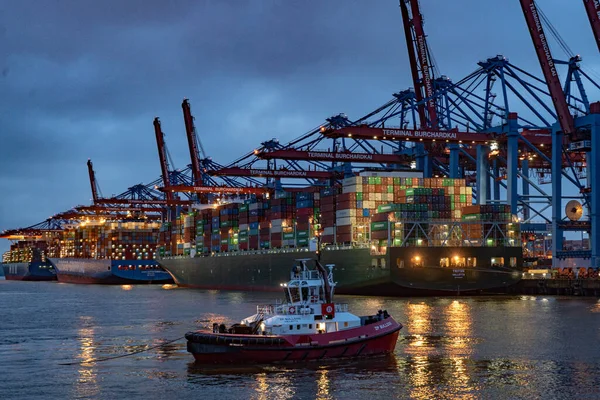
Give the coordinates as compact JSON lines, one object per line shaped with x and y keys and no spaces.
{"x":84,"y":79}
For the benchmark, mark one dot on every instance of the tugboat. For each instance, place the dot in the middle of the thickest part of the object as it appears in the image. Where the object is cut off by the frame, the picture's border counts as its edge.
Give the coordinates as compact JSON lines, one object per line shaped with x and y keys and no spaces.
{"x":307,"y":326}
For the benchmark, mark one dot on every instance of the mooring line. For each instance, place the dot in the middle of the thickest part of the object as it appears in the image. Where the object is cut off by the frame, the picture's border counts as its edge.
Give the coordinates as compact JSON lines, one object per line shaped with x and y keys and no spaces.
{"x":122,"y":355}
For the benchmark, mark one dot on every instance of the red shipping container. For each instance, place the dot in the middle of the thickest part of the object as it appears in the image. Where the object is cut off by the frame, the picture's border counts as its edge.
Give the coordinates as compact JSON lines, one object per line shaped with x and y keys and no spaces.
{"x":343,"y":238}
{"x":327,"y":239}
{"x":344,"y":229}
{"x":275,"y":236}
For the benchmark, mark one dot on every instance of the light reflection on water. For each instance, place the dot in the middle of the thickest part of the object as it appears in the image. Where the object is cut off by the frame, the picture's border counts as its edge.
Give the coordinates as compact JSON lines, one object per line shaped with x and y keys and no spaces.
{"x":450,"y":348}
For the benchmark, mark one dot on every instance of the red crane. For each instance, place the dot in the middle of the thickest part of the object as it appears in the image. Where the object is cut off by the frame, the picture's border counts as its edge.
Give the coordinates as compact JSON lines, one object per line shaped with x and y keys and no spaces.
{"x":275,"y":173}
{"x":592,"y":7}
{"x":291,"y":154}
{"x":93,"y":183}
{"x":162,"y":156}
{"x":420,"y":64}
{"x":544,"y":55}
{"x":193,"y":142}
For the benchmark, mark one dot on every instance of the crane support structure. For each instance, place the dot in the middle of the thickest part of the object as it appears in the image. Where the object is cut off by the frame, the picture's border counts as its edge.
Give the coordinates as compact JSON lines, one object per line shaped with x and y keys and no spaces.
{"x":452,"y":136}
{"x":542,"y":49}
{"x":162,"y":156}
{"x":592,"y":7}
{"x":290,"y":154}
{"x":275,"y":173}
{"x":190,"y":131}
{"x":144,"y":201}
{"x":93,"y":184}
{"x":214,"y":189}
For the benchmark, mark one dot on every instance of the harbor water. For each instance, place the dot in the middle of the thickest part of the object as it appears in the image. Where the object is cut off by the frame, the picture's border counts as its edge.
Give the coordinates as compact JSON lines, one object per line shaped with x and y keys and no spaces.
{"x":508,"y":347}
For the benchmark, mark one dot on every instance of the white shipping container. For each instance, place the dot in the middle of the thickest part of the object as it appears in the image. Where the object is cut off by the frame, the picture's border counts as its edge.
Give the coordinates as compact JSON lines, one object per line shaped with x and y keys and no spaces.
{"x":463,"y":190}
{"x":254,"y":206}
{"x":187,"y":245}
{"x":329,"y":231}
{"x":377,"y":196}
{"x":349,"y":189}
{"x":394,"y":174}
{"x":276,"y":229}
{"x":188,"y":221}
{"x":450,"y":190}
{"x":244,"y":227}
{"x":316,"y":196}
{"x":468,"y":190}
{"x":276,"y":223}
{"x":345,"y":221}
{"x":349,"y":212}
{"x":353,"y":180}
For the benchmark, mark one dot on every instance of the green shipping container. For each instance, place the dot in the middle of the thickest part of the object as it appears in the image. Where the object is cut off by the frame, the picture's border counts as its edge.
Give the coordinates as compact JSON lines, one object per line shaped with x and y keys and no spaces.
{"x":385,"y":208}
{"x":471,"y":217}
{"x":359,"y":196}
{"x":379,"y":226}
{"x":463,"y":198}
{"x":243,"y":239}
{"x":243,"y":208}
{"x":302,"y":234}
{"x":288,"y":236}
{"x":243,"y":233}
{"x":302,"y":242}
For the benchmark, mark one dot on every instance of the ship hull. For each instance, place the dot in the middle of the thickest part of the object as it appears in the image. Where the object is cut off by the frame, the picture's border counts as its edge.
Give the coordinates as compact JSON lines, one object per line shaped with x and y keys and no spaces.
{"x":365,"y":341}
{"x":109,"y":272}
{"x":34,"y":271}
{"x":357,"y":271}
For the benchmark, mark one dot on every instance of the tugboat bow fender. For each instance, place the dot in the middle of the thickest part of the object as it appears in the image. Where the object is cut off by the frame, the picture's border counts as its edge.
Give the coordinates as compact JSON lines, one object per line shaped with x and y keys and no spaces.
{"x":210,"y":338}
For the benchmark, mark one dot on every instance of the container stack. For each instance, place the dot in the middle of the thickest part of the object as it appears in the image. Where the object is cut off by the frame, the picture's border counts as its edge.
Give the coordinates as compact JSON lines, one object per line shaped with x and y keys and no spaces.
{"x":306,"y":216}
{"x":115,"y":240}
{"x":243,"y":243}
{"x":282,"y":214}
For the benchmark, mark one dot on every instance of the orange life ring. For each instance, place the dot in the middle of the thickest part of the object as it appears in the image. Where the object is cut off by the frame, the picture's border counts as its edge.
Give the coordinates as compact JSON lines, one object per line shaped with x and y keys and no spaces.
{"x":292,"y":310}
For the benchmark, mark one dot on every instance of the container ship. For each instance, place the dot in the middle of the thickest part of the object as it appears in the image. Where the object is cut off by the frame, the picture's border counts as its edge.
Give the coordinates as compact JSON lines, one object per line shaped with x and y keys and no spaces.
{"x":387,"y":234}
{"x":108,"y":252}
{"x":27,"y":261}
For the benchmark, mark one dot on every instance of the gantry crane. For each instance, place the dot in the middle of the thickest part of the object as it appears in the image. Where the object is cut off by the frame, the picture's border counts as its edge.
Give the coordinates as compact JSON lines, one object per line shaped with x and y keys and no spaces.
{"x":570,"y":129}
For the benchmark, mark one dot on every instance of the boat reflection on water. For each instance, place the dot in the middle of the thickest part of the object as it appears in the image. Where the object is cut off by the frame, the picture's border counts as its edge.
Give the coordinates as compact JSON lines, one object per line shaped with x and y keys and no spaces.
{"x":314,"y":380}
{"x":86,"y":385}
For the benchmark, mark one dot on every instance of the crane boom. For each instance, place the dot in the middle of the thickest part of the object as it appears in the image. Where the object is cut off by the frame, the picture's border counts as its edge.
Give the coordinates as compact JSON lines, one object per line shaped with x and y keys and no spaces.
{"x":592,"y":7}
{"x":162,"y":156}
{"x":92,"y":175}
{"x":420,"y":65}
{"x":275,"y":173}
{"x":291,"y":154}
{"x":190,"y":131}
{"x":544,"y":55}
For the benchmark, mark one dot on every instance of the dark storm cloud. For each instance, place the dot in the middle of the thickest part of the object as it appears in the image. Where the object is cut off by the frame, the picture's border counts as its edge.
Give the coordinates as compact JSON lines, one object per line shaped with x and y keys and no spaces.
{"x":84,"y":79}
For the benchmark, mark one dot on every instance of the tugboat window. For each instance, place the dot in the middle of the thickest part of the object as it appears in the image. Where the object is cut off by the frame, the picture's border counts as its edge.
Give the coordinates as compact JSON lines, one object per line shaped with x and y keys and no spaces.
{"x":382,"y":265}
{"x":291,"y":327}
{"x":399,"y":262}
{"x":513,"y":262}
{"x":471,"y":262}
{"x":295,"y":293}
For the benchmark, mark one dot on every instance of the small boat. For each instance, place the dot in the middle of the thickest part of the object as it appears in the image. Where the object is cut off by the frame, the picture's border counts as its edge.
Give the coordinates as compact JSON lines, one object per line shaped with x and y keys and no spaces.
{"x":307,"y":326}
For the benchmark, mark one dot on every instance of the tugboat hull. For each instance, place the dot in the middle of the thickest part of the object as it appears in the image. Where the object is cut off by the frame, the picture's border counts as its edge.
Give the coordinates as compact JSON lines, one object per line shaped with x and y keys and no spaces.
{"x":370,"y":340}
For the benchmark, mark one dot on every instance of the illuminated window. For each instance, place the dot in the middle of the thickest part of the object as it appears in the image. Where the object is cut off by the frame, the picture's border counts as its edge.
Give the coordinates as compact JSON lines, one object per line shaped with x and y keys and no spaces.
{"x":399,"y":262}
{"x":471,"y":262}
{"x":497,"y":261}
{"x":416,"y":261}
{"x":513,"y":262}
